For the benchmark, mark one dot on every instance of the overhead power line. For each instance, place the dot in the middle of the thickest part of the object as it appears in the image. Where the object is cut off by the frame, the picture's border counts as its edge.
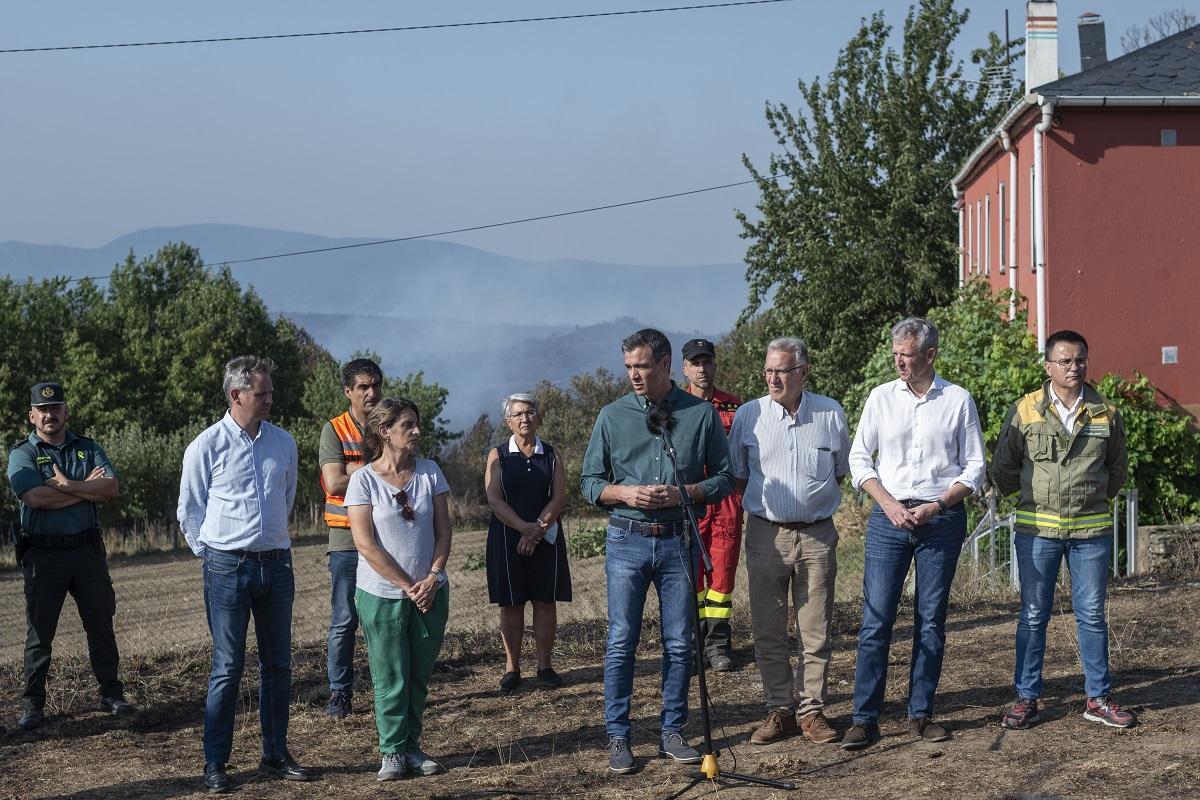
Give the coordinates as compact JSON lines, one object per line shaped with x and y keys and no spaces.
{"x":469,"y":229}
{"x":396,"y":29}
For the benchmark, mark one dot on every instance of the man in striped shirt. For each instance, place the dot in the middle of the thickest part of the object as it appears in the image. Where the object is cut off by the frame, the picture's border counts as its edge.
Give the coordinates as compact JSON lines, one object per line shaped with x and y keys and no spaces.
{"x":790,"y":451}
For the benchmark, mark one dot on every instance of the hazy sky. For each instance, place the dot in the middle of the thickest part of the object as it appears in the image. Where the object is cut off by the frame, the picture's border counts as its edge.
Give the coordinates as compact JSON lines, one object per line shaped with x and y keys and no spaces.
{"x":401,"y":133}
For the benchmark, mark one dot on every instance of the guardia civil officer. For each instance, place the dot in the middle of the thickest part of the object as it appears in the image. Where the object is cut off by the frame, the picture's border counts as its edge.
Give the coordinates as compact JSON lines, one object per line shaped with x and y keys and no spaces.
{"x":59,"y":476}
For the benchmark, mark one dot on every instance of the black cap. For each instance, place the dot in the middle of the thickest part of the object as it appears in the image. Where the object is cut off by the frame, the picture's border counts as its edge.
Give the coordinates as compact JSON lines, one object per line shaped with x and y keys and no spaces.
{"x":47,"y":394}
{"x":697,"y":347}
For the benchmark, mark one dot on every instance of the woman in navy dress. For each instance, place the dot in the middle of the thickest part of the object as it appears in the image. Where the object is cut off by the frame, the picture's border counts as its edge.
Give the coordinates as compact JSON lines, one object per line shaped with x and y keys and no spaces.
{"x":526,"y":549}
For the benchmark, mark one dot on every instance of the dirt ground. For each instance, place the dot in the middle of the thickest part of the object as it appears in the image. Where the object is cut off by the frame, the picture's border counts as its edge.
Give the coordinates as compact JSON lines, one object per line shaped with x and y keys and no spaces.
{"x":550,"y":743}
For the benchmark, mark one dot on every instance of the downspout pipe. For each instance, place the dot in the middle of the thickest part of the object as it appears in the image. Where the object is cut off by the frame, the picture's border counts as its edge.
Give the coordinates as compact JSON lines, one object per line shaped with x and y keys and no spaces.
{"x":962,"y":242}
{"x":1007,"y":144}
{"x":1039,"y":212}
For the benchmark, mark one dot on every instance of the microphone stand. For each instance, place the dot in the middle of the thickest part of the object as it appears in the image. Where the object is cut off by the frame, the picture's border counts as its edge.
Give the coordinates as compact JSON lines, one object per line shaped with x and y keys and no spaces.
{"x":710,"y":769}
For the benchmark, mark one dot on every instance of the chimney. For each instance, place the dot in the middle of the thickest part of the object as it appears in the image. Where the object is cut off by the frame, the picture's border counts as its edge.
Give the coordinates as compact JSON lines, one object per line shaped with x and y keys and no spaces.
{"x":1093,"y":51}
{"x":1041,"y":43}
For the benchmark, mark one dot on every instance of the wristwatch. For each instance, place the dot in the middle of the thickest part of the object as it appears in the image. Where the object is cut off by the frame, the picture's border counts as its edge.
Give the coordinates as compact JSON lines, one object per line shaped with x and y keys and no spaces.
{"x":941,"y":504}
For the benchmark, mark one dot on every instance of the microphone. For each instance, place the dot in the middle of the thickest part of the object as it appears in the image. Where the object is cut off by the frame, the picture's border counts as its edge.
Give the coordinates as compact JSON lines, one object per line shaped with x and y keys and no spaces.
{"x":659,"y":418}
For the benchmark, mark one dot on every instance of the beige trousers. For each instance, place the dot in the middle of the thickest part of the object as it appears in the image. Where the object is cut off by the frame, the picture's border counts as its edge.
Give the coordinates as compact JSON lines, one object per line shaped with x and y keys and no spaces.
{"x":803,"y":563}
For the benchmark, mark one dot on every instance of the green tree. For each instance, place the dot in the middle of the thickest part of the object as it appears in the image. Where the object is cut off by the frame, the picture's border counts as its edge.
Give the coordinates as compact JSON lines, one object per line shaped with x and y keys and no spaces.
{"x":1164,"y":451}
{"x":153,"y":351}
{"x":855,"y":226}
{"x":568,"y":418}
{"x":34,"y":317}
{"x":740,"y":354}
{"x":323,"y":397}
{"x":979,"y":348}
{"x":463,"y":463}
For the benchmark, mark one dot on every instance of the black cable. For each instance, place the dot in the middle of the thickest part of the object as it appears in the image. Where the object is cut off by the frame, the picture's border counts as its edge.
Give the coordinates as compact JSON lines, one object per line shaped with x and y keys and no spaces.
{"x":397,"y":29}
{"x":227,"y":262}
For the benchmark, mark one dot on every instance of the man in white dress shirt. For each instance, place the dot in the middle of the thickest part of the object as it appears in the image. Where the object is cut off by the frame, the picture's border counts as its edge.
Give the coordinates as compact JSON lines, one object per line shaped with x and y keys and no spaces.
{"x":237,"y":487}
{"x":918,"y":452}
{"x":790,"y":451}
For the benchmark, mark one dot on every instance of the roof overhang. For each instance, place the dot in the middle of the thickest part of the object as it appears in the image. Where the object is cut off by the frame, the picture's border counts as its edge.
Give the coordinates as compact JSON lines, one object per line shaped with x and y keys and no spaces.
{"x":1031,"y":101}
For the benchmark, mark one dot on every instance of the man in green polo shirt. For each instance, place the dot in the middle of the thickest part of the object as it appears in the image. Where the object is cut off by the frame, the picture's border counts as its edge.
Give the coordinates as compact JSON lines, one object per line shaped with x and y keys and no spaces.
{"x":59,"y":476}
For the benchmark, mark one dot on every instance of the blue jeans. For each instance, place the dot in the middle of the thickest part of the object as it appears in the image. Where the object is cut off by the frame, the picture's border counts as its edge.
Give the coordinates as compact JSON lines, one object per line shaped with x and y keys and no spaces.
{"x":632,"y":563}
{"x":1088,"y":561}
{"x":343,"y":621}
{"x":234,"y":589}
{"x":934,"y":548}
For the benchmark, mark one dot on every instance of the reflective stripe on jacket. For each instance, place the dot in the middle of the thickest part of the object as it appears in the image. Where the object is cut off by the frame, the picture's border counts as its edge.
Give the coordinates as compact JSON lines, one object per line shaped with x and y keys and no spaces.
{"x":347,"y":432}
{"x":1065,"y":479}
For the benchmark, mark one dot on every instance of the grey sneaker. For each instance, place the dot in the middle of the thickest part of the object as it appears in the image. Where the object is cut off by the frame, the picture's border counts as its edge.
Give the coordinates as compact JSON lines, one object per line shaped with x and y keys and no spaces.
{"x":673,"y":745}
{"x":419,"y":763}
{"x":620,"y":758}
{"x":392,"y":768}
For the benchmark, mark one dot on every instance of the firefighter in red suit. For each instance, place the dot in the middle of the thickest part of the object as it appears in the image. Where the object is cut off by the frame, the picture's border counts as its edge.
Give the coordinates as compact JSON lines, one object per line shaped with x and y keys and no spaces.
{"x":721,"y":527}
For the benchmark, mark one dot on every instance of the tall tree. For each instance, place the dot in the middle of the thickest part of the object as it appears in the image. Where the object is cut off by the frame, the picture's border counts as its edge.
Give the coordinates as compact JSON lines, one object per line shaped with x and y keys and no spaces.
{"x":1160,"y":26}
{"x":855,"y":224}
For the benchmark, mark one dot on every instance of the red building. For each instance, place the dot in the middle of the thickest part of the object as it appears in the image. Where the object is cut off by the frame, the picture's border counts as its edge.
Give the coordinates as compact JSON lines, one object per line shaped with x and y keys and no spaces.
{"x":1086,"y":200}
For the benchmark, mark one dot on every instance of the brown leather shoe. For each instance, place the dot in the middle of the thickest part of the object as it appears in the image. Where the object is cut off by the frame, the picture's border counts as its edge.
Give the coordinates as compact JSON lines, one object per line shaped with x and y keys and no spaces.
{"x":779,"y":725}
{"x":928,"y":730}
{"x":816,"y":728}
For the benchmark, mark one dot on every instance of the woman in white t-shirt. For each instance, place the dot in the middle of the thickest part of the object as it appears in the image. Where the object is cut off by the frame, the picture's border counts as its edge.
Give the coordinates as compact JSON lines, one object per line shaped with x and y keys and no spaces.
{"x":400,"y":520}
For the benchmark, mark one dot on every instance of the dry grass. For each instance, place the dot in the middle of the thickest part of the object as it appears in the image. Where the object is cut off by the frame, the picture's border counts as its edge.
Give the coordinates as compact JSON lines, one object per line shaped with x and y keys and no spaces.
{"x":547,"y":743}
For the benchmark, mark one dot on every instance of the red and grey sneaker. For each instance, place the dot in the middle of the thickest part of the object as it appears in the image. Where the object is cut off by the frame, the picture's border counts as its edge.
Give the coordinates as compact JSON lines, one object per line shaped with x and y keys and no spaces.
{"x":1106,"y":712}
{"x":1021,"y":716}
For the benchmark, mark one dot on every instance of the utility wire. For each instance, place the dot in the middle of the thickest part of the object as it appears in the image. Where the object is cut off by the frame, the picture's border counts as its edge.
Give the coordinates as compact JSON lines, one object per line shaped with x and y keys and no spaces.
{"x":397,"y":29}
{"x":521,"y":221}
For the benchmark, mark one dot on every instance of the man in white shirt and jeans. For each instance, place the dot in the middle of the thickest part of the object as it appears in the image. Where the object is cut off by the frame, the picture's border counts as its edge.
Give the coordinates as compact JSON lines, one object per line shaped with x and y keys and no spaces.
{"x":918,"y":452}
{"x":789,"y":452}
{"x":235,"y":493}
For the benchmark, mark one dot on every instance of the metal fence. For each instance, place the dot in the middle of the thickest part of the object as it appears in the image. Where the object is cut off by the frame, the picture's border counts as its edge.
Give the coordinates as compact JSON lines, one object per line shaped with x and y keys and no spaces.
{"x":160,"y":597}
{"x":991,"y":543}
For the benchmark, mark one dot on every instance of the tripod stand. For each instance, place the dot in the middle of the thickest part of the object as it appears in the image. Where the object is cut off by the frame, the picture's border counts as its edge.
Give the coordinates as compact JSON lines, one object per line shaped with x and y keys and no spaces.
{"x":710,"y":769}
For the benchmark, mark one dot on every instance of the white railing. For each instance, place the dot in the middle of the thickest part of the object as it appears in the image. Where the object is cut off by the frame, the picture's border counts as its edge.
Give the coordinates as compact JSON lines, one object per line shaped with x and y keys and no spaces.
{"x":993,"y":538}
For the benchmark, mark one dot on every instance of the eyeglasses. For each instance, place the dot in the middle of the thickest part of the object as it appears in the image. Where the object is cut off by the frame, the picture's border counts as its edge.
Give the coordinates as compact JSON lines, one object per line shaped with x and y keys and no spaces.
{"x":1066,"y":363}
{"x":406,"y":510}
{"x":522,"y":415}
{"x":771,"y":373}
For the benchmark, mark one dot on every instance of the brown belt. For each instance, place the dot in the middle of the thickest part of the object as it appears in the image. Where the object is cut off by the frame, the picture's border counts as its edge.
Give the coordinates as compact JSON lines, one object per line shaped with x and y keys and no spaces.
{"x":793,"y":526}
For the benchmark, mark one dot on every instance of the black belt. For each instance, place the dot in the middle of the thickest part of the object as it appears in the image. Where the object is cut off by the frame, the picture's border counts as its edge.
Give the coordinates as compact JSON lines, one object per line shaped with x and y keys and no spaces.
{"x":67,"y":542}
{"x":655,"y":529}
{"x":251,"y":555}
{"x":913,"y":503}
{"x":793,"y":526}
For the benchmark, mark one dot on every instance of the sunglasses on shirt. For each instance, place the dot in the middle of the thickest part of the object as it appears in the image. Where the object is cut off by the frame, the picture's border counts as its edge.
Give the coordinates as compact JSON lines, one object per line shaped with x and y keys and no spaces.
{"x":406,"y":511}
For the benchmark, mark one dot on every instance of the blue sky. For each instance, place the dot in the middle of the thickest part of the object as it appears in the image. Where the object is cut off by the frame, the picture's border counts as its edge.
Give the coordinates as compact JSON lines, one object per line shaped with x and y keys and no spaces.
{"x":404,"y":133}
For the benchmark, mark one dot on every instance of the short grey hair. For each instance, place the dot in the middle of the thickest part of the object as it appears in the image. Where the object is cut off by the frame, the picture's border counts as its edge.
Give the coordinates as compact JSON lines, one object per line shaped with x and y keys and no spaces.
{"x":240,"y":372}
{"x":793,"y":345}
{"x":922,"y":330}
{"x":519,"y":397}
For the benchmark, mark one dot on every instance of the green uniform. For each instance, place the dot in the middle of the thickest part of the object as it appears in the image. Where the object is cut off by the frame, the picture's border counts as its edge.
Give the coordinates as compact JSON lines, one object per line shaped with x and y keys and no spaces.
{"x":1066,"y":479}
{"x":66,"y":554}
{"x":31,"y":461}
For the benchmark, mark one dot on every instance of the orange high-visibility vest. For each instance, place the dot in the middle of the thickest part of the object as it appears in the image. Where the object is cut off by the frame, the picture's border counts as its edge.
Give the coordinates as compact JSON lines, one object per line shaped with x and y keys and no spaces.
{"x":347,"y":431}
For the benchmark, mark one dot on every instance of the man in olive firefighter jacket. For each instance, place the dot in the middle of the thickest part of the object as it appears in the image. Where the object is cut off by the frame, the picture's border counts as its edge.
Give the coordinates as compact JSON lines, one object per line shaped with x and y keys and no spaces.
{"x":1062,"y":448}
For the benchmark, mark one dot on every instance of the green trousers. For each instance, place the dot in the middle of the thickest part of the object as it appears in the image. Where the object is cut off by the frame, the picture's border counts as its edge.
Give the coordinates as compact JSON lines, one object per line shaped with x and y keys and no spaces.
{"x":402,"y":646}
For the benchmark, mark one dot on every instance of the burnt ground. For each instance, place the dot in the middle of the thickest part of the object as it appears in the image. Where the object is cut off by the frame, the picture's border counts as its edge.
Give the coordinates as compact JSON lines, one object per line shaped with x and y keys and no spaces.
{"x":543,"y":743}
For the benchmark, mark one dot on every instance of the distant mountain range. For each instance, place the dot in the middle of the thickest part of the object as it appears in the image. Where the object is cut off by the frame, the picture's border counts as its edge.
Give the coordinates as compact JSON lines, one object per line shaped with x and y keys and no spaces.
{"x":481,"y":324}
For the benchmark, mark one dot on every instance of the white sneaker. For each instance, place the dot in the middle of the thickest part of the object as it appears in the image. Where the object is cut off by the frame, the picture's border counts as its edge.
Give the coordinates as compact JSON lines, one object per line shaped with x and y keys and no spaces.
{"x":418,"y":763}
{"x":392,"y":768}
